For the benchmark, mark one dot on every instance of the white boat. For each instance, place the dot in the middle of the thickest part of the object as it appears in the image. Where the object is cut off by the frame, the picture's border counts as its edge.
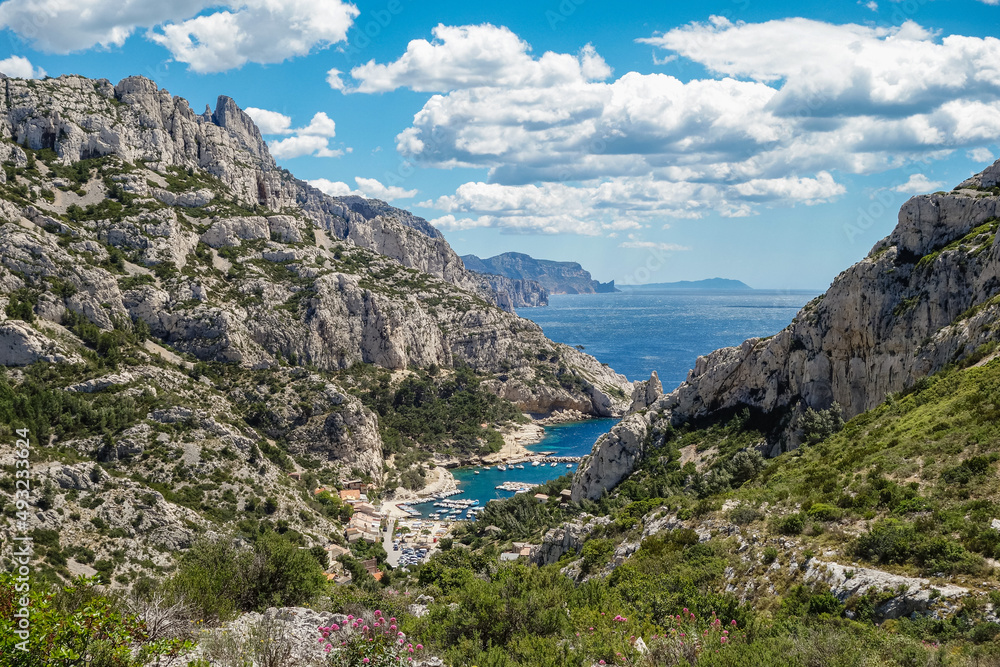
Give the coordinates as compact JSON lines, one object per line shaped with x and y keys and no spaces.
{"x":554,"y":465}
{"x":502,"y":467}
{"x":475,"y":471}
{"x":569,"y":465}
{"x":534,"y":463}
{"x":520,"y":467}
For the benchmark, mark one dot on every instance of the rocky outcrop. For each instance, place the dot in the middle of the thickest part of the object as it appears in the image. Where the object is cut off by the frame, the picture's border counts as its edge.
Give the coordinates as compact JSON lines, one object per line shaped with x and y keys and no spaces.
{"x":514,"y":293}
{"x":900,"y":314}
{"x":569,"y":537}
{"x":924,"y":297}
{"x":913,"y":594}
{"x":613,"y":458}
{"x":646,"y":393}
{"x":556,"y":277}
{"x":235,"y":280}
{"x":20,"y":345}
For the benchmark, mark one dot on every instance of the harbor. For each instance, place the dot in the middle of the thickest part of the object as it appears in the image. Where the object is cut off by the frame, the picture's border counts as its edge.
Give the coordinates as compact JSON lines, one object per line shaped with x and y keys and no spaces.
{"x":559,"y":453}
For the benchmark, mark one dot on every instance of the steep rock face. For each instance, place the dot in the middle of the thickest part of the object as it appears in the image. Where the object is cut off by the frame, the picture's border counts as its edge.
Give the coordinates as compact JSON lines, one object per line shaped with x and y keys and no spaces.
{"x":614,"y":456}
{"x":515,"y":293}
{"x":646,"y":393}
{"x":80,"y":118}
{"x":925,"y":296}
{"x":556,"y":277}
{"x":887,"y":321}
{"x":194,"y":198}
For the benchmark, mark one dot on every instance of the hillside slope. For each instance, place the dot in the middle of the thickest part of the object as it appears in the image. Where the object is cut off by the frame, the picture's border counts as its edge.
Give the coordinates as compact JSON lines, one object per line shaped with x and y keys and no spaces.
{"x":185,"y":325}
{"x":925,"y":296}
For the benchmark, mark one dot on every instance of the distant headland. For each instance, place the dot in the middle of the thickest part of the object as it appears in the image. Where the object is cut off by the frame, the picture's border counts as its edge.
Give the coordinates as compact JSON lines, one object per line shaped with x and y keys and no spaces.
{"x":709,"y":283}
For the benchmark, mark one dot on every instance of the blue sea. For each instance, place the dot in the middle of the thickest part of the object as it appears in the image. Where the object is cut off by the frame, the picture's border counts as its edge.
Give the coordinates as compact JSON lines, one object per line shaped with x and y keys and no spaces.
{"x":636,"y":332}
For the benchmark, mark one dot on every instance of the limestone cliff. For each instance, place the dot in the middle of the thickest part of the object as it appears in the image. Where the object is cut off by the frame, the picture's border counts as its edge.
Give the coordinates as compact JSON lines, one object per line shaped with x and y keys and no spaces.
{"x":555,"y":277}
{"x":80,"y":118}
{"x":925,"y":296}
{"x":148,"y":211}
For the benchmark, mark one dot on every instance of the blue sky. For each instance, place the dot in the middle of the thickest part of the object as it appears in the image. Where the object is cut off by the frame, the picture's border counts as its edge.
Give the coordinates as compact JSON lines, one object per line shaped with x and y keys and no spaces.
{"x":771,"y":142}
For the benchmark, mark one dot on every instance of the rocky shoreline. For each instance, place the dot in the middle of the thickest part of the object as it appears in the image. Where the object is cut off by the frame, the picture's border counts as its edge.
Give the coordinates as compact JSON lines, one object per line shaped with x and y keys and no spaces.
{"x":516,"y":438}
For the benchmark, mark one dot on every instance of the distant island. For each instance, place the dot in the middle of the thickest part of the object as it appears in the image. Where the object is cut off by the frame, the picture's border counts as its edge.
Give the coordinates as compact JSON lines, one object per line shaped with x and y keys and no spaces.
{"x":556,"y":277}
{"x":709,"y":283}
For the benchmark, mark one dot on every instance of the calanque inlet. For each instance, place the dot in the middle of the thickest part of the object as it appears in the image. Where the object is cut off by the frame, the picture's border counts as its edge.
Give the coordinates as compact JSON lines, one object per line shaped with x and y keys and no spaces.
{"x":229,"y":387}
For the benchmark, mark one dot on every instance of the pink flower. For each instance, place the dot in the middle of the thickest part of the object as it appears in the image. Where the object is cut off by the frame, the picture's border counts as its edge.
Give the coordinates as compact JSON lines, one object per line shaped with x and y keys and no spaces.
{"x":327,"y":649}
{"x":602,"y":663}
{"x":350,"y":617}
{"x":366,"y":660}
{"x":399,"y":634}
{"x":419,"y":646}
{"x":723,"y":640}
{"x":732,"y":622}
{"x":335,"y":627}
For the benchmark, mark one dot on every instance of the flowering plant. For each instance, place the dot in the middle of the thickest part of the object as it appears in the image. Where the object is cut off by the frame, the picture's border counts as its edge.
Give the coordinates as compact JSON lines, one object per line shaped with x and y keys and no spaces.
{"x":687,"y":637}
{"x":373,"y":642}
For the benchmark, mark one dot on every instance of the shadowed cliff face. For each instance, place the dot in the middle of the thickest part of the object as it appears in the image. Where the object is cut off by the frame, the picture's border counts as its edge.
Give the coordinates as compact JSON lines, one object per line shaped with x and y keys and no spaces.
{"x":233,"y":259}
{"x":925,"y":296}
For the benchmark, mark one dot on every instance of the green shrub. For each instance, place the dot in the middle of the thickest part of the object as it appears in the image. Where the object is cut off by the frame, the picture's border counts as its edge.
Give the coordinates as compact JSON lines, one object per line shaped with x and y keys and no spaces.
{"x":75,"y":625}
{"x":824,"y":512}
{"x":596,"y":554}
{"x":790,"y":524}
{"x":220,"y":576}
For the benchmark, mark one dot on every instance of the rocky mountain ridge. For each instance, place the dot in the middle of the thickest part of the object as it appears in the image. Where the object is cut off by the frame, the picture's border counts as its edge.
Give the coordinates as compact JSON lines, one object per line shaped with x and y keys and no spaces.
{"x":206,"y":205}
{"x":555,"y":277}
{"x":193,"y":318}
{"x":924,"y":297}
{"x":80,"y":118}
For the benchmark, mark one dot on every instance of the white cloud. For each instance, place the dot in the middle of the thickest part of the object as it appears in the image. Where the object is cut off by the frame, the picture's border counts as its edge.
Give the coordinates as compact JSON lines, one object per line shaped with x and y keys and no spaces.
{"x":270,"y":122}
{"x":299,"y":146}
{"x":321,"y":125}
{"x":260,"y":31}
{"x":795,"y":102}
{"x":313,"y":139}
{"x":233,"y":33}
{"x":807,"y":190}
{"x":872,"y":5}
{"x":373,"y":188}
{"x":918,"y":184}
{"x":369,"y":188}
{"x":19,"y":67}
{"x":63,"y":26}
{"x":667,"y":247}
{"x":831,"y":70}
{"x":471,"y":56}
{"x":990,"y":2}
{"x":332,"y":188}
{"x":981,"y":154}
{"x":334,"y":80}
{"x":593,"y":208}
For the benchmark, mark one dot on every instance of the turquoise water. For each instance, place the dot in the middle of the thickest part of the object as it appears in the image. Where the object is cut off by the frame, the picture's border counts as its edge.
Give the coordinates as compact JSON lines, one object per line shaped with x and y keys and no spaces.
{"x":574,"y":439}
{"x":636,"y":332}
